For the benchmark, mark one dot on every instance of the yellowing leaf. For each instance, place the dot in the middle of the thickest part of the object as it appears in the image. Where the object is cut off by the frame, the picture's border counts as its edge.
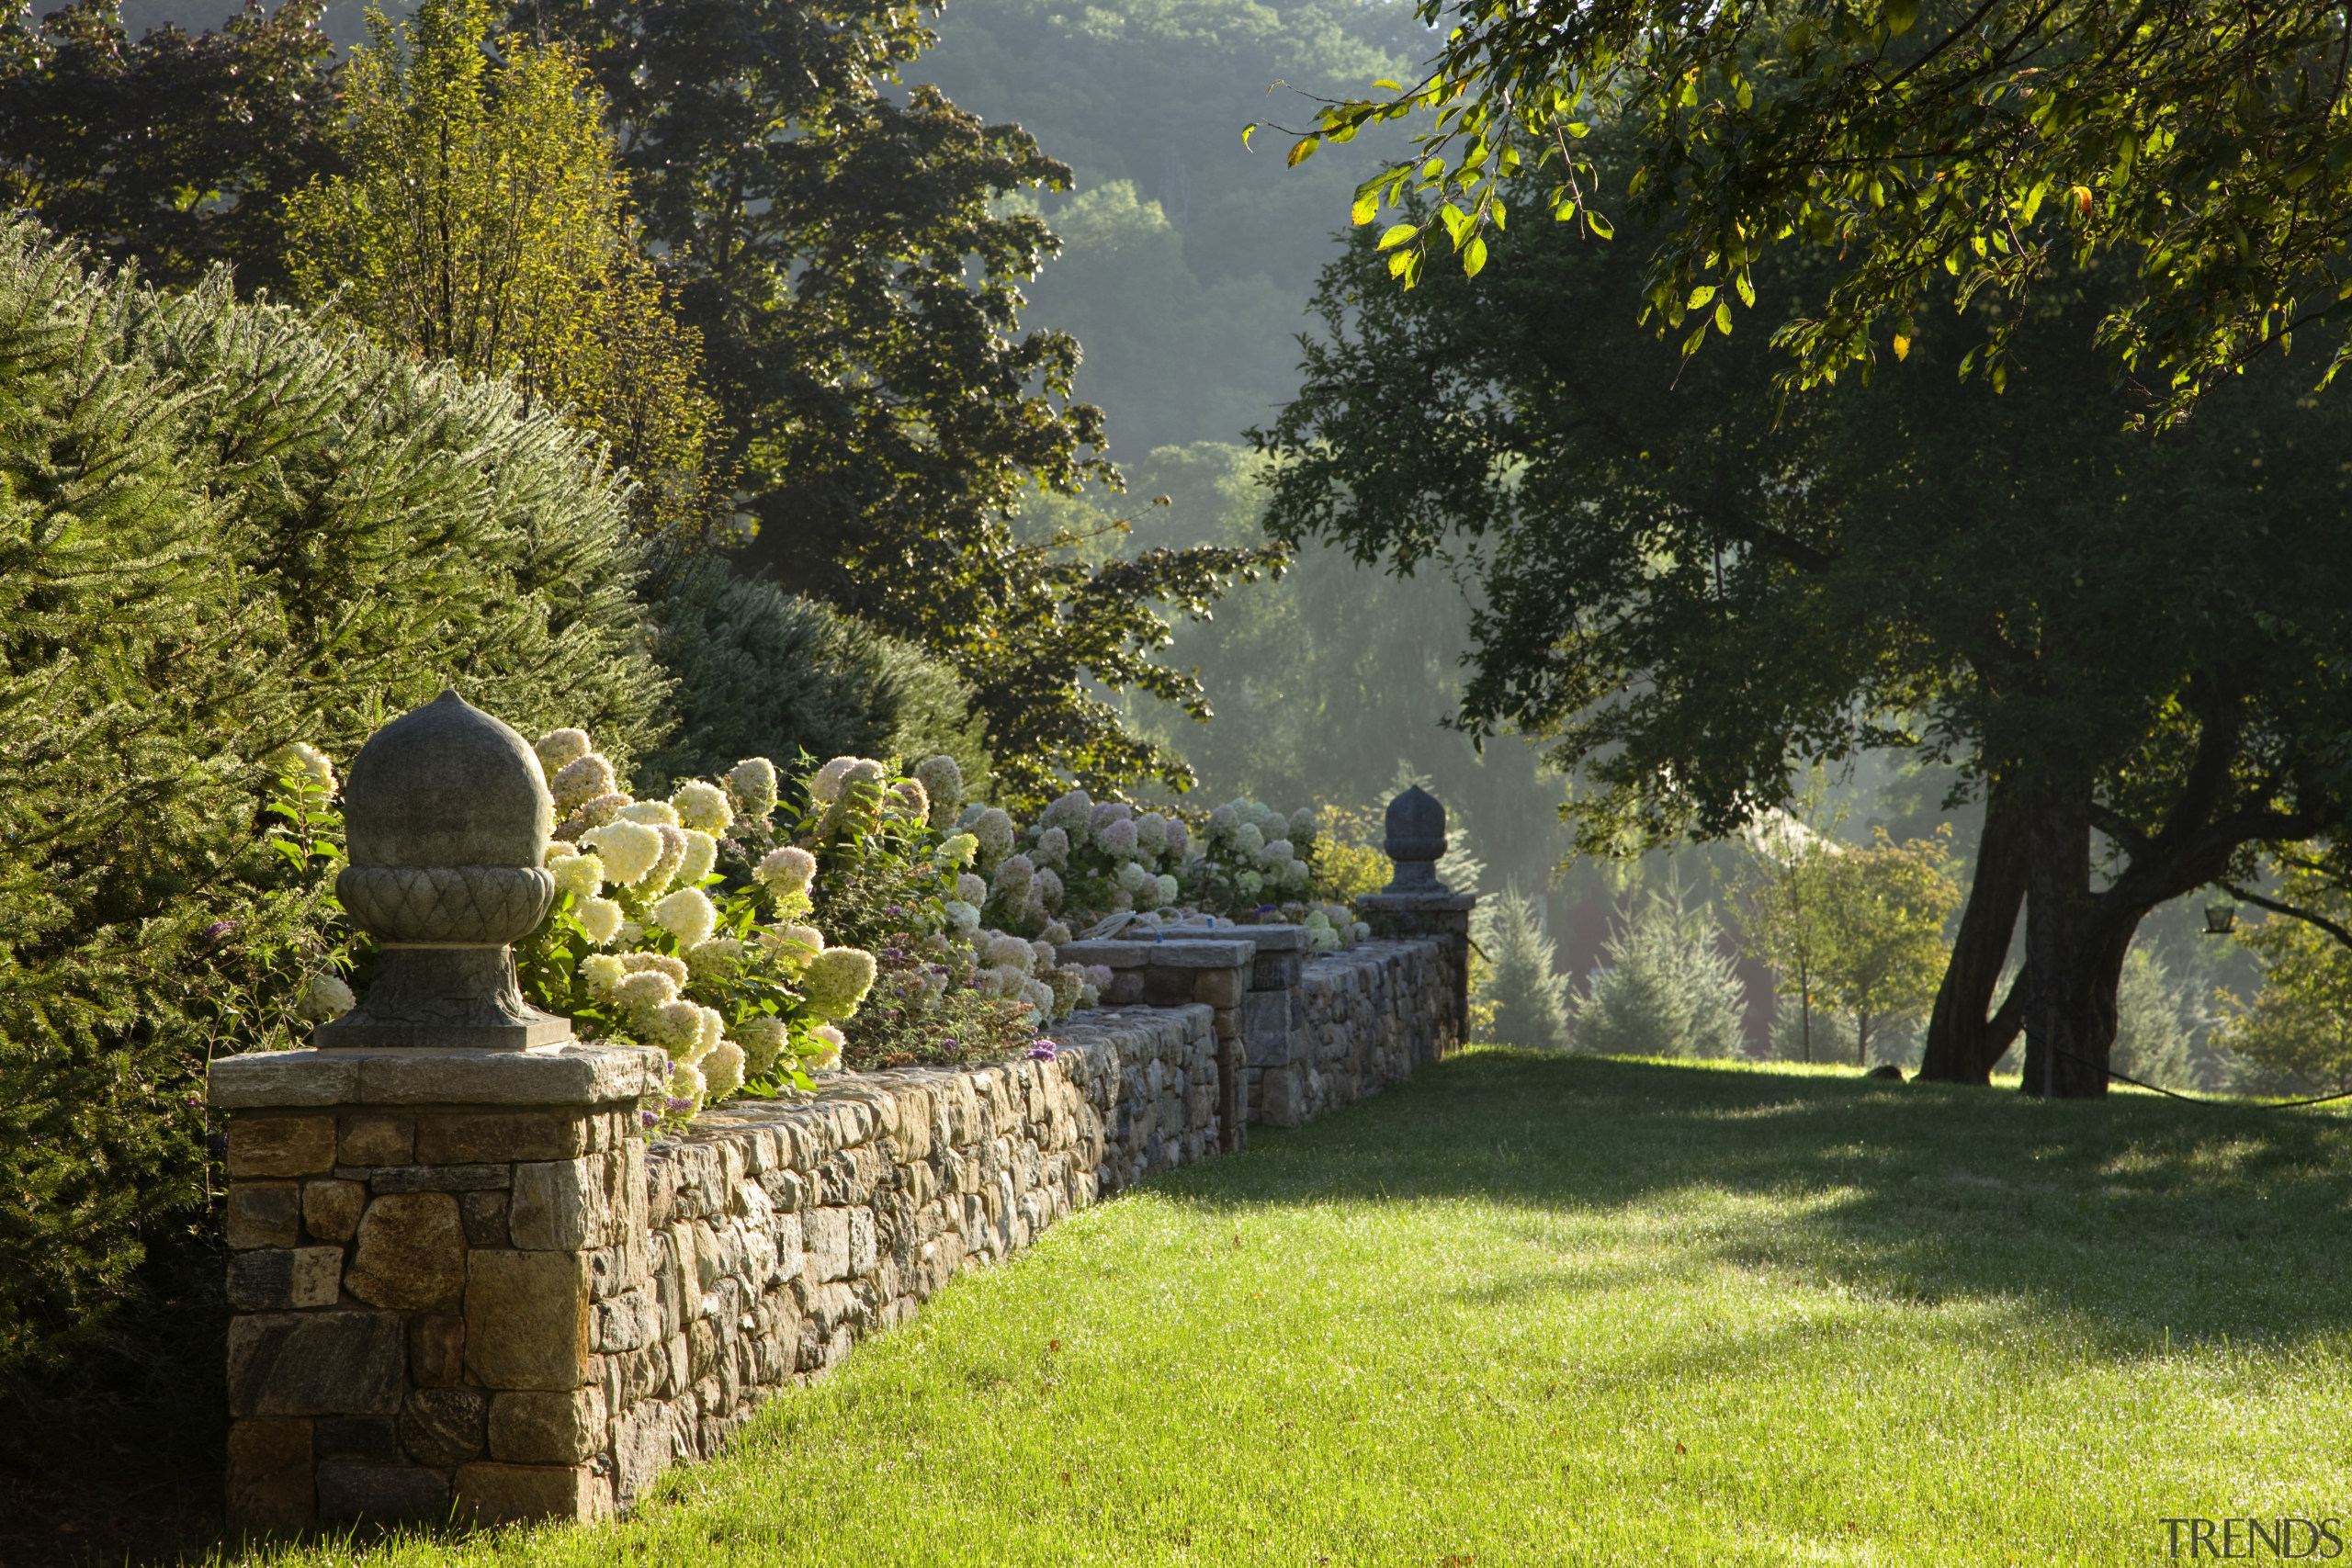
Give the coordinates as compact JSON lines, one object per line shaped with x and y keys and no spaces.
{"x":1366,"y":209}
{"x":1303,"y":151}
{"x":1902,"y":346}
{"x":1723,"y":318}
{"x":1747,"y":290}
{"x":1397,"y":235}
{"x":1700,"y":296}
{"x":1392,"y":86}
{"x":1399,"y":263}
{"x":1474,"y":258}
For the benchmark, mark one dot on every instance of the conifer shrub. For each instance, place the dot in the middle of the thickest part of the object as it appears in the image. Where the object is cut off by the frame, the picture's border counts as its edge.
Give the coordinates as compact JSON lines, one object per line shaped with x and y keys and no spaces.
{"x":1529,"y":1001}
{"x":221,"y":533}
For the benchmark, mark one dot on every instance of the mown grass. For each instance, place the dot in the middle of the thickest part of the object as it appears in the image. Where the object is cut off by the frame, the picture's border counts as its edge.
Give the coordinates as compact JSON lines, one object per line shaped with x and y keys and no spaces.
{"x":1531,"y":1309}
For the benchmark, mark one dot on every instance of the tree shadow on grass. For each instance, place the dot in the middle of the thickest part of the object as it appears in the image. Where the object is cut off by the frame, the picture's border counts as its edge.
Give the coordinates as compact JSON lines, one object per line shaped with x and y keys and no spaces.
{"x":2141,"y":1219}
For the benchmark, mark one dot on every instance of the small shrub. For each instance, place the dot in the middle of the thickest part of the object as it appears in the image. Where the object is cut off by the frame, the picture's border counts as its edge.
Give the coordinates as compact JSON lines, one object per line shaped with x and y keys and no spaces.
{"x":1529,"y":1001}
{"x":1667,"y":989}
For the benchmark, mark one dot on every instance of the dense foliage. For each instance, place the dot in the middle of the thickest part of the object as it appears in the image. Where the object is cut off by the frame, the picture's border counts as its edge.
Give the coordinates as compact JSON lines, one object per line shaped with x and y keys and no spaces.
{"x":2203,"y":148}
{"x":224,"y":533}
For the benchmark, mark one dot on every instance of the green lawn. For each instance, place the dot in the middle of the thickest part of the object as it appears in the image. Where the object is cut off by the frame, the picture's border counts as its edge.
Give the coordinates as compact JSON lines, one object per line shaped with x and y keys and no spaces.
{"x":1570,"y":1310}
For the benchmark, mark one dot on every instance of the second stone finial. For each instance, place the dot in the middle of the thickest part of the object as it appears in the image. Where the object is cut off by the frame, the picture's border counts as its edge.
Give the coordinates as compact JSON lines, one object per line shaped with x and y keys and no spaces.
{"x":1416,"y":841}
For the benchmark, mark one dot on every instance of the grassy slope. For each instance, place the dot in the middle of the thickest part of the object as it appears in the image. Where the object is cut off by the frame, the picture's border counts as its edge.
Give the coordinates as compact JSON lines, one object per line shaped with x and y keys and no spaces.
{"x":1541,"y":1310}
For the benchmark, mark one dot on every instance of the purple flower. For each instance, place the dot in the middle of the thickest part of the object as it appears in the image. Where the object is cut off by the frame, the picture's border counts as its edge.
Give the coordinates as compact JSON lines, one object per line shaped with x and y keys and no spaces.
{"x":648,"y":1117}
{"x":218,"y":931}
{"x":679,"y":1104}
{"x":1042,"y":1051}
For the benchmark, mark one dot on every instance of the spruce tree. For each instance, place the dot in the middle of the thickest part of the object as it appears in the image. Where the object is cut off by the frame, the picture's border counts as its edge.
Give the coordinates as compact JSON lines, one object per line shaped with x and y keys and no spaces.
{"x":1529,"y":1000}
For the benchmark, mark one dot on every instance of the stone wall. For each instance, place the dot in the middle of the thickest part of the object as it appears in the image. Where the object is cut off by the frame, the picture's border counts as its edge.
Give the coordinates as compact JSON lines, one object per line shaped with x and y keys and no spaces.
{"x":464,"y":1281}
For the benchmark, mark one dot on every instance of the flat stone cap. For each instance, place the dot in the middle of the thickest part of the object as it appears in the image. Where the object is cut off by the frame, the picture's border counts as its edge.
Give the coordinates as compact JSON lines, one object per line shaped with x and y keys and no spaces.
{"x":1269,"y":939}
{"x":448,"y":785}
{"x":423,"y":1075}
{"x":1198,"y":954}
{"x":1111,"y":955}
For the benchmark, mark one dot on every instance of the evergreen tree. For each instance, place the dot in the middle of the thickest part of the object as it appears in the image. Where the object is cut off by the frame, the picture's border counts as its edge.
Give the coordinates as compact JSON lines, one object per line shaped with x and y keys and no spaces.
{"x":2151,"y":1022}
{"x":1669,"y":988}
{"x":1529,"y":1000}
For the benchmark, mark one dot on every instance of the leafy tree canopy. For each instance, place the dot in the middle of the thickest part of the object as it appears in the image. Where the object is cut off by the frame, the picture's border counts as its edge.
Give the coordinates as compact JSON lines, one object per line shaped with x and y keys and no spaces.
{"x":2202,"y":147}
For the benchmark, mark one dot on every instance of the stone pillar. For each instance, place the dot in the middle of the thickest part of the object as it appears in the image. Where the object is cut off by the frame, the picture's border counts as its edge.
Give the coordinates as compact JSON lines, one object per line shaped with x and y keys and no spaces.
{"x":436,"y":1212}
{"x":1416,"y":903}
{"x":1154,"y":967}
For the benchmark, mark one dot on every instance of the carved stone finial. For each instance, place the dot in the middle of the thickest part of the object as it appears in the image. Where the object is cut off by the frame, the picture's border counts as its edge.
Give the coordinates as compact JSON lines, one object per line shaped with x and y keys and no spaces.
{"x":446,"y":816}
{"x":1416,"y":840}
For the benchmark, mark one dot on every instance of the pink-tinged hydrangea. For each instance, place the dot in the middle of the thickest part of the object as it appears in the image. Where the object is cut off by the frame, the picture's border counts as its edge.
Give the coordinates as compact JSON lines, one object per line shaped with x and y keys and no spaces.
{"x":582,"y":780}
{"x":559,"y":749}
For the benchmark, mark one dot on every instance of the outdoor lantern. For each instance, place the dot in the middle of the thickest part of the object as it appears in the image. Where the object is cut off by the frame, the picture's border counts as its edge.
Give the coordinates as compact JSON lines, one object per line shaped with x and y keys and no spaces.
{"x":2221,"y":920}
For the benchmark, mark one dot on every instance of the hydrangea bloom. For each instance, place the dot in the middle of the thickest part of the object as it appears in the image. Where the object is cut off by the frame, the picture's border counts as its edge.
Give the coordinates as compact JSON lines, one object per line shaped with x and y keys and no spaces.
{"x":324,"y":998}
{"x":1040,"y":996}
{"x":1278,"y":852}
{"x":1098,"y":975}
{"x":307,"y":759}
{"x":808,"y":936}
{"x":583,"y":877}
{"x":1056,"y":932}
{"x":1117,"y":837}
{"x":965,"y":914}
{"x":1014,"y":873}
{"x":673,"y":968}
{"x":1131,"y":877}
{"x":1049,"y":890}
{"x":790,"y":869}
{"x":1254,"y":812}
{"x":652,"y":813}
{"x":602,"y":971}
{"x":972,"y":890}
{"x":689,"y":1091}
{"x":837,"y":980}
{"x":1046,"y":956}
{"x":594,"y":813}
{"x":1250,"y":882}
{"x":675,"y":1026}
{"x":1247,"y":841}
{"x":942,"y":782}
{"x":753,"y":783}
{"x":1008,"y":951}
{"x":1065,"y":981}
{"x":724,"y":1068}
{"x":1224,"y":820}
{"x":644,"y":990}
{"x":702,"y":806}
{"x":687,"y":914}
{"x":715,"y":958}
{"x":1302,"y":824}
{"x":1107,"y":812}
{"x":1180,"y":839}
{"x":1169,"y":888}
{"x":666,"y":866}
{"x":559,"y":749}
{"x":601,"y":919}
{"x":702,"y":854}
{"x":1073,"y":812}
{"x":628,"y":849}
{"x":1053,"y":849}
{"x":712,"y":1031}
{"x":825,"y":784}
{"x":994,"y":830}
{"x":1151,"y":833}
{"x":825,"y":1048}
{"x":956,"y":848}
{"x":582,"y":780}
{"x":762,"y":1038}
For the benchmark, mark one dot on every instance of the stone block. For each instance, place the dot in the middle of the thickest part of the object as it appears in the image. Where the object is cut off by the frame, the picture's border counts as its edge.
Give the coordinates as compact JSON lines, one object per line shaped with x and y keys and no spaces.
{"x":484,"y":1215}
{"x":546,"y":1428}
{"x":544,"y":1074}
{"x":366,"y":1438}
{"x":410,"y":1252}
{"x":1111,"y":955}
{"x":264,"y":1213}
{"x":434,"y":1177}
{"x":276,"y":1279}
{"x":826,"y":1234}
{"x":445,"y":1427}
{"x":1277,"y":971}
{"x":371,"y":1138}
{"x":436,"y":1349}
{"x":1199,"y":954}
{"x":558,"y":1205}
{"x":1218,"y":988}
{"x":1126,"y":989}
{"x":381,"y":1492}
{"x":491,"y":1493}
{"x":527,"y":1319}
{"x":1226,"y":1023}
{"x":1273,"y":939}
{"x":316,"y":1363}
{"x":280,"y":1145}
{"x":331,"y":1210}
{"x":1282,"y":1097}
{"x":1165,"y":985}
{"x":272,"y":1478}
{"x":281,"y":1079}
{"x":479,"y":1137}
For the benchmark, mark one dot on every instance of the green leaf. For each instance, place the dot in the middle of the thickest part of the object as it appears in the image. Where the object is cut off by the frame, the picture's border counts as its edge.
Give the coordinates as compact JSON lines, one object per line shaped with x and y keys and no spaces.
{"x":1902,"y":16}
{"x":1397,"y":235}
{"x":1303,"y":151}
{"x":1700,"y":296}
{"x":1392,"y":86}
{"x":1747,"y":290}
{"x":1600,"y":225}
{"x":1723,"y":318}
{"x":1494,"y":212}
{"x":1473,"y":257}
{"x":1455,"y":221}
{"x":1399,"y":263}
{"x":1366,"y":209}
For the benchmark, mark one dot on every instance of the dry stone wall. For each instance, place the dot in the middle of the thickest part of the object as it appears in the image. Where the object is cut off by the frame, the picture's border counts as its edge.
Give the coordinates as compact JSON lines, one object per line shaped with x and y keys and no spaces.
{"x":477,"y":1288}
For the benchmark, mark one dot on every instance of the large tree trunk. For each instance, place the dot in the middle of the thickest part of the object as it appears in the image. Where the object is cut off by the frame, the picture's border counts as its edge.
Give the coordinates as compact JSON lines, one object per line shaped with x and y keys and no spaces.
{"x":1963,"y":1041}
{"x":2070,"y":990}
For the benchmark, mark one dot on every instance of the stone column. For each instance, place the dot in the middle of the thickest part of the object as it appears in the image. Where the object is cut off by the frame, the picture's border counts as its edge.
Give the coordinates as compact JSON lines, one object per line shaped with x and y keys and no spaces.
{"x":1416,"y":903}
{"x":436,"y":1211}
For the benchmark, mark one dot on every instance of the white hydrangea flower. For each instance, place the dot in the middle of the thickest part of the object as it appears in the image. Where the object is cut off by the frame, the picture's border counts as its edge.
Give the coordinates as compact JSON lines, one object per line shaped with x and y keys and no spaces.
{"x":1169,"y":888}
{"x":1053,"y":849}
{"x":1337,"y":915}
{"x":1088,"y":996}
{"x":631,"y":930}
{"x":808,"y":936}
{"x":676,"y":1027}
{"x":1099,"y":975}
{"x":1049,"y":889}
{"x":643,"y":991}
{"x":582,"y":780}
{"x":300,"y":755}
{"x":763,"y":1039}
{"x":1151,"y":833}
{"x":1360,"y":932}
{"x":628,"y":849}
{"x":714,"y":958}
{"x":1117,"y":837}
{"x":1045,"y":956}
{"x":753,"y":783}
{"x":956,"y":848}
{"x":825,"y":1044}
{"x":972,"y":890}
{"x":1224,"y":820}
{"x":583,"y":877}
{"x":712,"y":1031}
{"x":1277,"y":853}
{"x":1040,"y":996}
{"x":652,"y":813}
{"x":688,"y":1089}
{"x":702,"y":854}
{"x":1250,"y":882}
{"x":914,"y":801}
{"x":559,"y":749}
{"x":1073,"y":812}
{"x":594,"y":813}
{"x":1066,"y":980}
{"x":724,"y":1068}
{"x":601,"y":919}
{"x":687,"y":914}
{"x":943,"y":781}
{"x":837,"y":979}
{"x":825,"y":784}
{"x":1008,"y":951}
{"x":790,"y":869}
{"x":1131,"y":877}
{"x":1014,"y":873}
{"x":1145,"y":892}
{"x":1302,"y":824}
{"x":672,"y":966}
{"x":602,"y":971}
{"x":1057,"y":932}
{"x":1255,"y":812}
{"x":702,"y":806}
{"x":1179,"y":837}
{"x":965,"y":914}
{"x":1247,"y":840}
{"x":666,"y":866}
{"x":994,"y":830}
{"x":1297,"y":875}
{"x":325,"y":999}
